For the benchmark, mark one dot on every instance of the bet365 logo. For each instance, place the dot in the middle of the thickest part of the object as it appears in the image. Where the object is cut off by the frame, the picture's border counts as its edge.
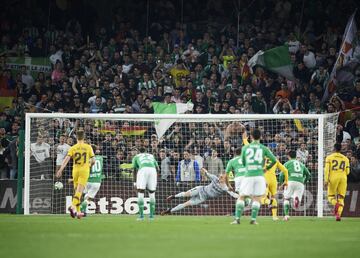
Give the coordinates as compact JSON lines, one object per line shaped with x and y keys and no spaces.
{"x":115,"y":205}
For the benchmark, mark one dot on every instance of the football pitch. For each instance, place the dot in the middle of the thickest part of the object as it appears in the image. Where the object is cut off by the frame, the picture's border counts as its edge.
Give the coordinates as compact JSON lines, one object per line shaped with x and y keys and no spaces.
{"x":176,"y":237}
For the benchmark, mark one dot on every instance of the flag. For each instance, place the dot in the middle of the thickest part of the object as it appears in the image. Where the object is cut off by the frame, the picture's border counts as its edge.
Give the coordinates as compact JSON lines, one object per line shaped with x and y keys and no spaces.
{"x":34,"y":65}
{"x":244,"y":70}
{"x":133,"y":130}
{"x":162,"y":125}
{"x":345,"y":56}
{"x":276,"y":60}
{"x":299,"y":126}
{"x":105,"y":131}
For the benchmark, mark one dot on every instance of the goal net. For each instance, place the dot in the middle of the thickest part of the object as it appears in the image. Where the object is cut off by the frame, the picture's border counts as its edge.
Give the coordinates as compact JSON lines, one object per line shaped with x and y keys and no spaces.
{"x":209,"y":140}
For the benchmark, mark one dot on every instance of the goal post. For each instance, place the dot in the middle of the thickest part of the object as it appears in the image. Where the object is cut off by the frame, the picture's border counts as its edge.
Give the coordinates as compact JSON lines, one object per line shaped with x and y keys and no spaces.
{"x":116,"y":136}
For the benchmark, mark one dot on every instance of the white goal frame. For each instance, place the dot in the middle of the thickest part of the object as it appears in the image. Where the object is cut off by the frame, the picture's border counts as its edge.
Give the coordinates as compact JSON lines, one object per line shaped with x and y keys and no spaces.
{"x":188,"y":117}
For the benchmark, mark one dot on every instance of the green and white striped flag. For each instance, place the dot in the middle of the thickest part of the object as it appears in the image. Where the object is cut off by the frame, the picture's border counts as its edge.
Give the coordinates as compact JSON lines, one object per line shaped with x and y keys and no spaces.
{"x":276,"y":60}
{"x":34,"y":65}
{"x":161,"y":126}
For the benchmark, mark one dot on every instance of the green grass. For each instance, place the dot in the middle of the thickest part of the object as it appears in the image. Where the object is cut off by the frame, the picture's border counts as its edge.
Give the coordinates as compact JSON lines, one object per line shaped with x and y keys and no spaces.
{"x":176,"y":237}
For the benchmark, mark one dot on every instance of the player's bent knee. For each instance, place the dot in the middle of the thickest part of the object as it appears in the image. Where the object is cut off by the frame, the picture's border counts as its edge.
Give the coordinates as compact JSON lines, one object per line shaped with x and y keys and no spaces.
{"x":151,"y":191}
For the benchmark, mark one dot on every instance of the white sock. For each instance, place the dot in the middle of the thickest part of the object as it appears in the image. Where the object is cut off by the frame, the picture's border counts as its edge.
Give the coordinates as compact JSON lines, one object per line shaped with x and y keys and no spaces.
{"x":152,"y":197}
{"x":179,"y":207}
{"x":180,"y":195}
{"x":140,"y":197}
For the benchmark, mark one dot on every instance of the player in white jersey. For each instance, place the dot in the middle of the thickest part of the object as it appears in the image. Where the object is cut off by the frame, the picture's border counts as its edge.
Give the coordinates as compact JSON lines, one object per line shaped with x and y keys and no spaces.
{"x":61,"y":151}
{"x":200,"y":194}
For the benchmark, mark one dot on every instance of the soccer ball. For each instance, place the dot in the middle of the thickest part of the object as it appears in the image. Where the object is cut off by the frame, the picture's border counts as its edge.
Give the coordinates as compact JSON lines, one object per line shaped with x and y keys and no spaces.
{"x":58,"y":185}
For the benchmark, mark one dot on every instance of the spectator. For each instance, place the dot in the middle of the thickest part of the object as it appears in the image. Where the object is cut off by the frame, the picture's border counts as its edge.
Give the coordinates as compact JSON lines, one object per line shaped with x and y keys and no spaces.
{"x":353,"y":127}
{"x":26,"y":78}
{"x":40,"y":162}
{"x":354,"y":175}
{"x":61,"y":151}
{"x":121,"y":70}
{"x":308,"y":57}
{"x":137,"y":105}
{"x":320,"y":76}
{"x":146,"y":83}
{"x":116,"y":163}
{"x":165,"y":168}
{"x":302,"y":154}
{"x":214,"y":164}
{"x":258,"y":104}
{"x":198,"y":157}
{"x":97,"y":106}
{"x":178,"y":71}
{"x":11,"y":154}
{"x":341,"y":135}
{"x":188,"y":169}
{"x":283,"y":106}
{"x":3,"y":164}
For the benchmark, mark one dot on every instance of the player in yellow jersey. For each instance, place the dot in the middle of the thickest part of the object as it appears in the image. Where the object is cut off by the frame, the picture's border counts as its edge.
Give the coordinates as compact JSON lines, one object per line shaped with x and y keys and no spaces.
{"x":82,"y":155}
{"x":337,"y":167}
{"x":272,"y":185}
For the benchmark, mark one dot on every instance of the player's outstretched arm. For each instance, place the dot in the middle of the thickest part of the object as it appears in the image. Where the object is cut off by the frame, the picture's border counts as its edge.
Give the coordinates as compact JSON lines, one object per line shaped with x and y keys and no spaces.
{"x":271,"y":157}
{"x":207,"y":174}
{"x":245,"y":137}
{"x":63,"y":165}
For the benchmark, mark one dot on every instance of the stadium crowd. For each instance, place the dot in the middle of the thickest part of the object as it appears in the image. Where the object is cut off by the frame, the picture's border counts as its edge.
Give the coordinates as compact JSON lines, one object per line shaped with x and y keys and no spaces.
{"x":121,"y":68}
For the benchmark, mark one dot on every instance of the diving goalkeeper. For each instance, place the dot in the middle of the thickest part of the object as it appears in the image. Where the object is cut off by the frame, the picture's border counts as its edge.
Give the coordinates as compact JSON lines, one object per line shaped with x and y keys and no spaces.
{"x":200,"y":194}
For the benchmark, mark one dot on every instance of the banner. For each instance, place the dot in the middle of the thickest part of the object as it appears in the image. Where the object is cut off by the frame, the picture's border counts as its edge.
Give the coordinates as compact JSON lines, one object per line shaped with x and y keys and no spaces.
{"x":119,"y":197}
{"x":34,"y":65}
{"x":8,"y":196}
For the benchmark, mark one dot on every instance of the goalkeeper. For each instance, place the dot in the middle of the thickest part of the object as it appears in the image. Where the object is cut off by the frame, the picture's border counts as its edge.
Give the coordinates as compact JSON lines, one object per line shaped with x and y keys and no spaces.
{"x":200,"y":194}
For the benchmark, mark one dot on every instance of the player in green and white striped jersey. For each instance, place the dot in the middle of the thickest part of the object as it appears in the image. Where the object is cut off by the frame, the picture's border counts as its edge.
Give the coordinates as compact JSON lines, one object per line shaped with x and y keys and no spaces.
{"x":298,"y":176}
{"x":94,"y":182}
